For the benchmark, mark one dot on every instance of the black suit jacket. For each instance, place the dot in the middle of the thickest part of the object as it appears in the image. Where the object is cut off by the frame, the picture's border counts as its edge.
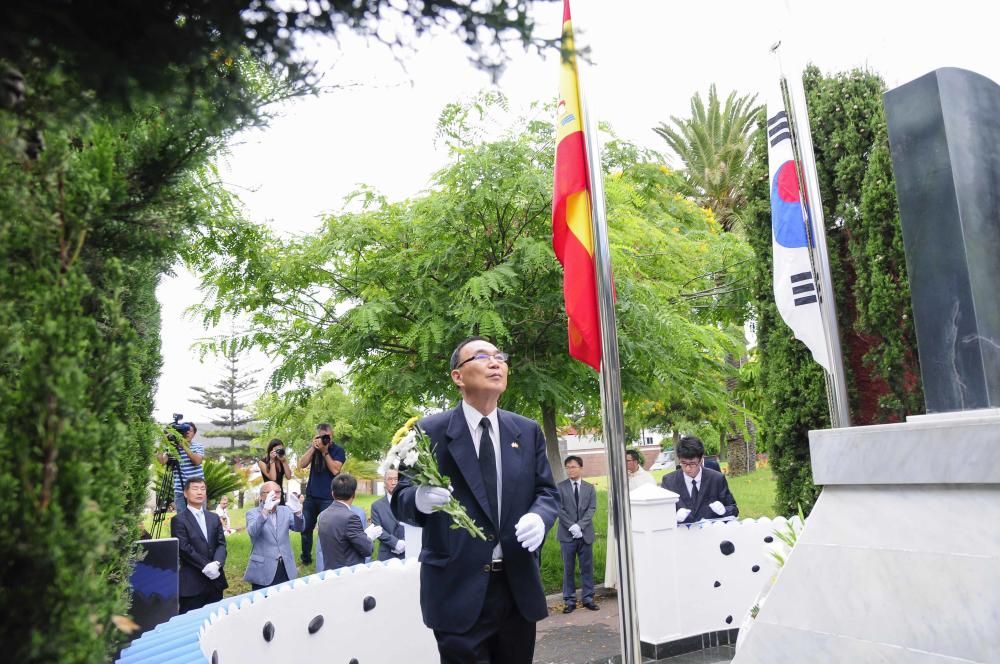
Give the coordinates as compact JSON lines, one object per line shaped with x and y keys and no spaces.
{"x":454,"y":570}
{"x":713,"y":487}
{"x":342,"y":537}
{"x":196,"y":552}
{"x":392,"y":529}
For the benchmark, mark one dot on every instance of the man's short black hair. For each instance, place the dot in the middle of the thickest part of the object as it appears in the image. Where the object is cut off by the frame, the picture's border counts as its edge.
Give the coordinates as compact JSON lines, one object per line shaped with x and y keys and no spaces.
{"x":573,"y":457}
{"x":343,"y":486}
{"x":637,"y":455}
{"x":324,"y":426}
{"x":194,"y":480}
{"x":458,"y":349}
{"x":690,"y":447}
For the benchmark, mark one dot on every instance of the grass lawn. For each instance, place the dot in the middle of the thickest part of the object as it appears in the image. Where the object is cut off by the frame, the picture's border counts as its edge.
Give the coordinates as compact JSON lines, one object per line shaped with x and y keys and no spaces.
{"x":754,"y":494}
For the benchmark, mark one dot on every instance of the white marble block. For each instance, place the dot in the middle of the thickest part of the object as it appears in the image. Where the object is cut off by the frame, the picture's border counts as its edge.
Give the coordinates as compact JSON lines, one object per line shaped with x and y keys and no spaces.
{"x":893,"y":566}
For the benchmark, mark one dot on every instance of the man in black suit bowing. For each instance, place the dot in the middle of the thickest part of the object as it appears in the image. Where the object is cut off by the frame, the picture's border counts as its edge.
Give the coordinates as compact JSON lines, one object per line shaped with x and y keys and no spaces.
{"x":703,"y":493}
{"x":202,"y":545}
{"x":483,"y":598}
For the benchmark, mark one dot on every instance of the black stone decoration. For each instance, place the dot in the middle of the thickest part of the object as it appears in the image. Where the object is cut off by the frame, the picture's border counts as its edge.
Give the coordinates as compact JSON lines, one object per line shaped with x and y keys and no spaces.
{"x":315,"y":624}
{"x":729,"y":620}
{"x":716,"y":584}
{"x":215,"y":657}
{"x":268,"y":631}
{"x":369,"y":603}
{"x":768,"y":539}
{"x":727,"y":548}
{"x":755,"y":569}
{"x":944,"y":135}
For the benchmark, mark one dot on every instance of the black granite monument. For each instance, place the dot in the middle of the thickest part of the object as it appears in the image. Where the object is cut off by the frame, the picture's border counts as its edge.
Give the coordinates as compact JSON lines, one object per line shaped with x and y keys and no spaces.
{"x":944,"y":135}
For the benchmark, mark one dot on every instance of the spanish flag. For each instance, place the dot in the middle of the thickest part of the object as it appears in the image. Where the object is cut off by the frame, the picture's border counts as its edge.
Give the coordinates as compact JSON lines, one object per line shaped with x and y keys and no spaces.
{"x":572,"y":234}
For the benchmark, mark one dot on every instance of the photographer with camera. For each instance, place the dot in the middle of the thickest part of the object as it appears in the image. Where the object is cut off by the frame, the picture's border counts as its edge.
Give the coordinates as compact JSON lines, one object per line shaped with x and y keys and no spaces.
{"x":188,"y":458}
{"x":324,"y":458}
{"x":274,"y":466}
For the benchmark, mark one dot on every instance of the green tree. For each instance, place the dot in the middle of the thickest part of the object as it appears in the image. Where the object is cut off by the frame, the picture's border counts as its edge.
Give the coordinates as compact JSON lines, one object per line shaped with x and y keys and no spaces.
{"x":228,"y":396}
{"x":714,"y":146}
{"x":362,"y":429}
{"x":390,"y":288}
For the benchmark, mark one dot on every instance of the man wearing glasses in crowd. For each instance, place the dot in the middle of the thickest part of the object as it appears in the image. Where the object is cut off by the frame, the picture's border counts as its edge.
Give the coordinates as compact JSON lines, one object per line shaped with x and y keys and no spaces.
{"x":703,"y":493}
{"x":483,"y":598}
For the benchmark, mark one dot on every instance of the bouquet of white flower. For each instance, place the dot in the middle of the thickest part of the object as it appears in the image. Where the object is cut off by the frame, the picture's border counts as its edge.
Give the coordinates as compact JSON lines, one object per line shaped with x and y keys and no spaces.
{"x":413,"y":455}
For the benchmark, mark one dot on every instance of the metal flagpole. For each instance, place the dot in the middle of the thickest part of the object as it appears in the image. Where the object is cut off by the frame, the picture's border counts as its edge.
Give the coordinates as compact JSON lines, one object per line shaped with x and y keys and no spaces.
{"x":802,"y":148}
{"x":611,"y":399}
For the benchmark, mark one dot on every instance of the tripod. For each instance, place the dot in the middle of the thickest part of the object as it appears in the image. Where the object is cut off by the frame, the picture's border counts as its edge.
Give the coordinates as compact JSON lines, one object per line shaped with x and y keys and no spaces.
{"x":164,"y":494}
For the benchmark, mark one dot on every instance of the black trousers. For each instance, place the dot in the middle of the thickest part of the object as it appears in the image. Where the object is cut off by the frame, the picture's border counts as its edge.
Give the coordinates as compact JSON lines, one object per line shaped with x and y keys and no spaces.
{"x":197,"y":601}
{"x":501,"y":635}
{"x":280,"y":576}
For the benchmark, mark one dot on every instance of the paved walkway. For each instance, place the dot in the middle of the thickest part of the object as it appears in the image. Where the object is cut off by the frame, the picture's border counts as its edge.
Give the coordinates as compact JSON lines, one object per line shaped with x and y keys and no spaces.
{"x":591,"y":637}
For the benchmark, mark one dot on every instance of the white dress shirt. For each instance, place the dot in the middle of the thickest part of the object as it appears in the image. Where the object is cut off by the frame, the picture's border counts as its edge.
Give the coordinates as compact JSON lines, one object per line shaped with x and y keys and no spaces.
{"x":688,"y":480}
{"x":473,"y":417}
{"x":199,"y":516}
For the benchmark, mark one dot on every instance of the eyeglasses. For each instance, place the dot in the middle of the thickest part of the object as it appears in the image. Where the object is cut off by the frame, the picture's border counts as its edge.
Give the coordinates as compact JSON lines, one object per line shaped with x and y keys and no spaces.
{"x":498,"y":356}
{"x":690,"y":464}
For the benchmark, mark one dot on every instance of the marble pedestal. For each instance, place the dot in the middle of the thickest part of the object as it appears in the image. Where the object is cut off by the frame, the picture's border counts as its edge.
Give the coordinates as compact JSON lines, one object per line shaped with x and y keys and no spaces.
{"x":900,"y":559}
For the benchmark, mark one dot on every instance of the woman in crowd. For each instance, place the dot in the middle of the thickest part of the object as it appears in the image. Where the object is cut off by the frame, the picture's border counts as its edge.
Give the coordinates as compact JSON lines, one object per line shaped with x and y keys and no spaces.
{"x":274,"y":466}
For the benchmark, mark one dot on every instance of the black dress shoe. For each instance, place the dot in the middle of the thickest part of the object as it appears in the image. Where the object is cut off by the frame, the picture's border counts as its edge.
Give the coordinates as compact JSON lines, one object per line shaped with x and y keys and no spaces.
{"x":591,"y":606}
{"x":569,"y":608}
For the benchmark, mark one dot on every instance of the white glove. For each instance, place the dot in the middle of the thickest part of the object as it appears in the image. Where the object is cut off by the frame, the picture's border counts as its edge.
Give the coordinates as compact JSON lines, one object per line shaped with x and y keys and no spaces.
{"x":400,"y":547}
{"x":270,"y":501}
{"x":717,"y":507}
{"x":575,"y":531}
{"x":211,"y":570}
{"x":373,"y":531}
{"x":292,"y":503}
{"x":429,"y":497}
{"x":682,"y":514}
{"x":530,"y":529}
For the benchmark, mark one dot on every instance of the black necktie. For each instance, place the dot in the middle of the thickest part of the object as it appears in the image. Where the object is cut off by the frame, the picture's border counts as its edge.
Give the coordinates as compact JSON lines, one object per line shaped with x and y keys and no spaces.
{"x":576,"y":495}
{"x":488,"y":467}
{"x":694,"y":491}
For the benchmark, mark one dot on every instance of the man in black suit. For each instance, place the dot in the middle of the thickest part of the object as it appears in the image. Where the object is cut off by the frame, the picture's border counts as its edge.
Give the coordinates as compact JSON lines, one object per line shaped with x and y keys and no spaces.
{"x":483,"y":598}
{"x":576,"y":534}
{"x":392,"y":542}
{"x":341,"y":535}
{"x":703,"y":493}
{"x":202,"y":544}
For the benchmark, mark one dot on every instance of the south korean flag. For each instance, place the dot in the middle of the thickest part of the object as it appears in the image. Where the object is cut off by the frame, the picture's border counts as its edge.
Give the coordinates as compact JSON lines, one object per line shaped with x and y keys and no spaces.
{"x":794,"y":282}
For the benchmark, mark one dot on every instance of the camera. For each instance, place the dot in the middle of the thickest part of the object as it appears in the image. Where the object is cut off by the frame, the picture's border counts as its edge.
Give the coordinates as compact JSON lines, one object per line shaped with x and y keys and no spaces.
{"x":280,"y":452}
{"x":326,"y":438}
{"x":178,"y":427}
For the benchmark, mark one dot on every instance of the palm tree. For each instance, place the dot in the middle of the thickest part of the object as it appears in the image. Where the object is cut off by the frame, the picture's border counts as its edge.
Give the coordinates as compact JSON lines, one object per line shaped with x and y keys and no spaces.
{"x":714,"y":147}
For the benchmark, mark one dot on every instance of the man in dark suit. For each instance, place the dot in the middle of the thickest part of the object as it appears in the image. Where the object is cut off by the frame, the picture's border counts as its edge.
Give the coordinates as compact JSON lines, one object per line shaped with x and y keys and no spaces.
{"x":703,"y":493}
{"x":202,"y":545}
{"x":483,"y":598}
{"x":576,"y":534}
{"x":391,"y":542}
{"x":345,"y":542}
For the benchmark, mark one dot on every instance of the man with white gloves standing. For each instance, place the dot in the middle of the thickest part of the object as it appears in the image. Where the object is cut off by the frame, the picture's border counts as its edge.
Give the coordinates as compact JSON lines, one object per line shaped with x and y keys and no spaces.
{"x":202,"y":545}
{"x":271,"y":559}
{"x":483,"y":598}
{"x":341,"y":535}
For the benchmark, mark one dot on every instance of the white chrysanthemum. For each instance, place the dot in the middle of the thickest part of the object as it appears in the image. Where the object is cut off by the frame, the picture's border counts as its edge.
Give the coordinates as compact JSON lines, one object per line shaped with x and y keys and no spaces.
{"x":411,"y":458}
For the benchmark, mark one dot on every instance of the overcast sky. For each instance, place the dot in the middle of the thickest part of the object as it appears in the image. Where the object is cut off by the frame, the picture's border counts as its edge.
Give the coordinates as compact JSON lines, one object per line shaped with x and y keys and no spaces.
{"x":649,"y":57}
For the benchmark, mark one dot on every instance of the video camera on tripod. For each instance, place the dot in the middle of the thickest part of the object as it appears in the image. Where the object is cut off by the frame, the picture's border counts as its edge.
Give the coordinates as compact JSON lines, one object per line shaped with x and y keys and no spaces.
{"x":170,"y":445}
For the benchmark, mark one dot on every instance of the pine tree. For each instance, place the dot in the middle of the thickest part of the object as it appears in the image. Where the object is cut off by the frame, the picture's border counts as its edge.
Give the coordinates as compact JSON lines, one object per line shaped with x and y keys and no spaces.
{"x":230,"y":396}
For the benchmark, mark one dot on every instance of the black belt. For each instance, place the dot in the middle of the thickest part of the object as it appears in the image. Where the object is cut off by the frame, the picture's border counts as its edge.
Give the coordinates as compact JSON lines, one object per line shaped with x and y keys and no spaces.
{"x":495,"y":566}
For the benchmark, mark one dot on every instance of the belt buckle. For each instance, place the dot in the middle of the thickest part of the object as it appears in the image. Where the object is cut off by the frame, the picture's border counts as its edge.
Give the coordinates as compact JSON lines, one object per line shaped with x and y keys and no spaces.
{"x":496,"y":566}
